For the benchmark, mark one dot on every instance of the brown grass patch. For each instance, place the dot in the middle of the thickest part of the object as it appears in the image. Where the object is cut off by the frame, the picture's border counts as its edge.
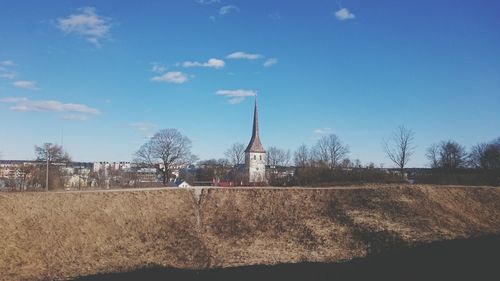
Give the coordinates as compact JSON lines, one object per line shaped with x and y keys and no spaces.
{"x":64,"y":235}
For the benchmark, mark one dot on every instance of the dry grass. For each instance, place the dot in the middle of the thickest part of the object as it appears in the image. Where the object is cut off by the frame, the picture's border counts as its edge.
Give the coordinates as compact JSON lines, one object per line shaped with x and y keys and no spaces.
{"x":64,"y":235}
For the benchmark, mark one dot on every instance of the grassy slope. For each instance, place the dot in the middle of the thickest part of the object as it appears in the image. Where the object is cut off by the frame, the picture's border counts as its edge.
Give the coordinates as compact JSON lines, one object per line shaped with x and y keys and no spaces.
{"x":63,"y":235}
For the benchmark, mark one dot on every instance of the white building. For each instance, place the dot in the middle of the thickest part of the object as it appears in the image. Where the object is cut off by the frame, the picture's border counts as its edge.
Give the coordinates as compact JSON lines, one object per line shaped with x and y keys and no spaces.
{"x":255,"y":155}
{"x":179,"y":183}
{"x":112,"y":166}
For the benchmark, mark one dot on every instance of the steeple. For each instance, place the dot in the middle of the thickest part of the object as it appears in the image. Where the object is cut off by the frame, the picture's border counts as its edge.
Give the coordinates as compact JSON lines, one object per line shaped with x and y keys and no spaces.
{"x":255,"y":145}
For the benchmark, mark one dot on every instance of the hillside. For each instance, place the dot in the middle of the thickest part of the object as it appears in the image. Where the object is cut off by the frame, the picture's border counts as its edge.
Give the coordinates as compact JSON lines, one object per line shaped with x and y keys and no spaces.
{"x":65,"y":235}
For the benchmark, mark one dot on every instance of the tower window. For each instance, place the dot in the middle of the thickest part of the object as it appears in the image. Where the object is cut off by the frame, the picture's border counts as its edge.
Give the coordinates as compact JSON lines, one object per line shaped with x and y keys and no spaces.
{"x":255,"y":157}
{"x":260,"y":157}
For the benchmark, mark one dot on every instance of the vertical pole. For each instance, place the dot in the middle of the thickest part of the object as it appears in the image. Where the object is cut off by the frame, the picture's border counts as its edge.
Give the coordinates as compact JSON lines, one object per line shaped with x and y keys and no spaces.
{"x":79,"y":177}
{"x":47,"y":174}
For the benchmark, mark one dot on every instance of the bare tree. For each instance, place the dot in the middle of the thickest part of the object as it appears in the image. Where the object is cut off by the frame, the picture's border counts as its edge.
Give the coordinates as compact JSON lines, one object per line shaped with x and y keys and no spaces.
{"x":346,"y":163}
{"x":485,"y":155}
{"x":212,"y":169}
{"x":277,"y":156}
{"x":432,"y":155}
{"x":301,"y":156}
{"x":399,"y":147}
{"x":447,"y":155}
{"x":51,"y":153}
{"x":452,"y":155}
{"x":476,"y":155}
{"x":491,"y":156}
{"x":168,"y":147}
{"x":236,"y":153}
{"x":330,"y":150}
{"x":144,"y":156}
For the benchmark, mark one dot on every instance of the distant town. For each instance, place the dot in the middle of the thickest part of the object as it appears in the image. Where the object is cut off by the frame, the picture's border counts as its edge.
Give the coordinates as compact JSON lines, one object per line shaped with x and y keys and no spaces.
{"x":166,"y":160}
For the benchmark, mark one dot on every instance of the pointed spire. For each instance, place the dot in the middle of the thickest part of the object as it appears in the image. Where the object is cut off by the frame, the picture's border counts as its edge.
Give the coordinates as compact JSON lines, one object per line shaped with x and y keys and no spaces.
{"x":255,"y":145}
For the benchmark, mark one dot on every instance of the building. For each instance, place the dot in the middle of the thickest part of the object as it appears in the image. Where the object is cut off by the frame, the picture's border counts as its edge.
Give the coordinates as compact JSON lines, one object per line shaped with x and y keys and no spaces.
{"x":111,"y":166}
{"x":179,"y":183}
{"x":24,"y":174}
{"x":255,"y":155}
{"x":12,"y":169}
{"x":147,"y":175}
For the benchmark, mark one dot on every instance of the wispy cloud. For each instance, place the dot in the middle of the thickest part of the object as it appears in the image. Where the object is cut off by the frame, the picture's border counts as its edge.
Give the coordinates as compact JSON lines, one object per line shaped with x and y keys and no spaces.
{"x":8,"y":75}
{"x":211,"y":63}
{"x":13,"y":100}
{"x":344,"y":14}
{"x":236,"y":96}
{"x":207,"y":2}
{"x":86,"y":24}
{"x":5,"y":67}
{"x":228,"y":9}
{"x":175,"y":77}
{"x":158,"y":68}
{"x":274,"y":16}
{"x":323,"y":131}
{"x":75,"y":117}
{"x":142,"y":126}
{"x":243,"y":55}
{"x":24,"y":104}
{"x":270,"y":62}
{"x":7,"y":63}
{"x":24,"y":84}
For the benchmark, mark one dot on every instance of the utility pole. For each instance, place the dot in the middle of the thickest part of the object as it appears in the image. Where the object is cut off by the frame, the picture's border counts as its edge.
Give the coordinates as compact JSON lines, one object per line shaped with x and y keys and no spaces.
{"x":47,"y":172}
{"x":79,"y":177}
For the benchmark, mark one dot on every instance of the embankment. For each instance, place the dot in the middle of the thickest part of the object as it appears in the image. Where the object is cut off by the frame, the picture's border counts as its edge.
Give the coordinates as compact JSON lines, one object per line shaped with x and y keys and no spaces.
{"x":65,"y":235}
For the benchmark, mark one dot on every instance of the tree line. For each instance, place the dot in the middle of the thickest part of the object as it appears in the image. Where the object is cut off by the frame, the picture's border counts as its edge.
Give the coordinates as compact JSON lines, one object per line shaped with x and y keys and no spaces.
{"x":326,"y":162}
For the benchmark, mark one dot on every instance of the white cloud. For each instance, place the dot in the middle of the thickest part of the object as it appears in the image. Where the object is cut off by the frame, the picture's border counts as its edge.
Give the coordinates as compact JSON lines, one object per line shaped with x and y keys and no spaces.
{"x":24,"y":104}
{"x":86,"y":24}
{"x":8,"y":75}
{"x":211,"y":63}
{"x":243,"y":55}
{"x":158,"y":68}
{"x":175,"y":77}
{"x":236,"y":96}
{"x":344,"y":14}
{"x":13,"y":99}
{"x":24,"y":84}
{"x":207,"y":2}
{"x":225,"y":10}
{"x":75,"y":117}
{"x":274,"y":16}
{"x":270,"y":62}
{"x":142,"y":126}
{"x":7,"y":63}
{"x":323,"y":131}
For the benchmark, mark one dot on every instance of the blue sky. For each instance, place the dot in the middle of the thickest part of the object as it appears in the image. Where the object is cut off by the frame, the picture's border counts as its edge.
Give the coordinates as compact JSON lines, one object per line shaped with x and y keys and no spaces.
{"x":110,"y":73}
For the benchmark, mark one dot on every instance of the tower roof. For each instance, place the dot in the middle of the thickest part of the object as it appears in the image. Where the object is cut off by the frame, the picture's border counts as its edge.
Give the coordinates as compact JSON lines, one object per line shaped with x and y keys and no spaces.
{"x":255,"y":145}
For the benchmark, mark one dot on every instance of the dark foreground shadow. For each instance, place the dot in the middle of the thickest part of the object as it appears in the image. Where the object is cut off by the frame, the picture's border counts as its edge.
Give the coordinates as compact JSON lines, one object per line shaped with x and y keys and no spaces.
{"x":468,"y":259}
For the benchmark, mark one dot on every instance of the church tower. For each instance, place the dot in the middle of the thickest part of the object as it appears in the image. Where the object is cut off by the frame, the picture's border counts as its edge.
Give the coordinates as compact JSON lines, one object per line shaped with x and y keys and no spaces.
{"x":255,"y":155}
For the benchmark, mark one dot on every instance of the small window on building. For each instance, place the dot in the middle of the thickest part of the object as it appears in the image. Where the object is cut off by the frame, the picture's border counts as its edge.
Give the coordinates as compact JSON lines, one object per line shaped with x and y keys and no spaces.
{"x":261,"y":157}
{"x":255,"y":157}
